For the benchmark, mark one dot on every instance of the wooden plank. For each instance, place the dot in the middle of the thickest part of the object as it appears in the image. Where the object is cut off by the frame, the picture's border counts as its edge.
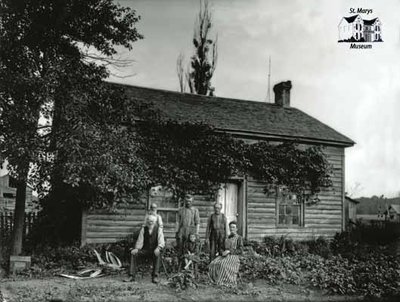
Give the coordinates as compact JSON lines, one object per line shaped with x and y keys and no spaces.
{"x":337,"y":220}
{"x":323,"y":212}
{"x":256,"y":206}
{"x":84,"y":228}
{"x":116,"y":217}
{"x":121,"y":223}
{"x":261,"y":211}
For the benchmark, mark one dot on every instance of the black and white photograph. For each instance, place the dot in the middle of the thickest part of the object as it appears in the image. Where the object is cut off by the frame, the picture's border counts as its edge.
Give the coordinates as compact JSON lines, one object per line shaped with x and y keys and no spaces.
{"x":199,"y":150}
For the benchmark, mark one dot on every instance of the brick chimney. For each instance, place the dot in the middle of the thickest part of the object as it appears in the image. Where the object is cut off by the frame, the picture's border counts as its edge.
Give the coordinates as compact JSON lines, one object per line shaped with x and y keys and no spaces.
{"x":282,"y":93}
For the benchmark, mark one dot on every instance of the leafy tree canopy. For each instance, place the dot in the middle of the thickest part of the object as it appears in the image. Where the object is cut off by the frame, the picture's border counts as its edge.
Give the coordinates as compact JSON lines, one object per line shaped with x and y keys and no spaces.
{"x":44,"y":44}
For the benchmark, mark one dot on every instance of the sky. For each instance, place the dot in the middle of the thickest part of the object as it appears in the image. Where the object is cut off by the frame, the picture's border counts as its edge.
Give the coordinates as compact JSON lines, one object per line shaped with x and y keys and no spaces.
{"x":355,"y":91}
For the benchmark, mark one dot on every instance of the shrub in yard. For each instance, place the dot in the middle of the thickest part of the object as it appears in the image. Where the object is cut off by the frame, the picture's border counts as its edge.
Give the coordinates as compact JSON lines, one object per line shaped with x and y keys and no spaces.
{"x":377,"y":276}
{"x":272,"y":269}
{"x":335,"y":275}
{"x":68,"y":258}
{"x":182,"y":281}
{"x":320,"y":246}
{"x":282,"y":246}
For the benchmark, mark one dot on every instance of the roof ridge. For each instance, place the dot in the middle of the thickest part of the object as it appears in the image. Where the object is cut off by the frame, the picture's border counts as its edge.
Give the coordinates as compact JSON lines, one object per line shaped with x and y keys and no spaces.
{"x":229,"y":113}
{"x":205,"y":97}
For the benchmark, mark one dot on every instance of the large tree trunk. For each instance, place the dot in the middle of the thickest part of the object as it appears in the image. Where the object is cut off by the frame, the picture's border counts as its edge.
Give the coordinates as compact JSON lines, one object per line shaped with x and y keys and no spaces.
{"x":19,"y":217}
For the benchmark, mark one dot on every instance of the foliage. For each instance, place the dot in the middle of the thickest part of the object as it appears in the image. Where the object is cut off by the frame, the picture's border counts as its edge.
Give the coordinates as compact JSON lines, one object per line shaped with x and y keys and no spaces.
{"x":204,"y":61}
{"x":375,"y":276}
{"x":188,"y":157}
{"x":97,"y":162}
{"x":185,"y":156}
{"x":282,"y":246}
{"x":183,"y":280}
{"x":303,"y":171}
{"x":320,"y":246}
{"x":39,"y":49}
{"x":335,"y":275}
{"x":273,"y":270}
{"x":42,"y":43}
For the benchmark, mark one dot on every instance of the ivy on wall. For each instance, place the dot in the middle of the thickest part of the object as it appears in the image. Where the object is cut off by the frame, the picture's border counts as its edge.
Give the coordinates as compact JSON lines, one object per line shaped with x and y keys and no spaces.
{"x":194,"y":157}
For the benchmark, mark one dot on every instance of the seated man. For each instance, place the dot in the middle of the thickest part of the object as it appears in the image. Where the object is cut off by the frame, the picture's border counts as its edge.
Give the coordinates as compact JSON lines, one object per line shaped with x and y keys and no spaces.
{"x":148,"y":245}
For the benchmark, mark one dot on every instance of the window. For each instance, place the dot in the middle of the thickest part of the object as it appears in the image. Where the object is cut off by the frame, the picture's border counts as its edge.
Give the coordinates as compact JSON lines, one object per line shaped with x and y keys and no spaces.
{"x":289,"y":209}
{"x":356,"y":36}
{"x":167,"y":207}
{"x":8,"y":195}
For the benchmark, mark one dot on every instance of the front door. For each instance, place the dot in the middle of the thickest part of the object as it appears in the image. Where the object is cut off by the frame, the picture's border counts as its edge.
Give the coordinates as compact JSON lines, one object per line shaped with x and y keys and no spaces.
{"x":230,"y":195}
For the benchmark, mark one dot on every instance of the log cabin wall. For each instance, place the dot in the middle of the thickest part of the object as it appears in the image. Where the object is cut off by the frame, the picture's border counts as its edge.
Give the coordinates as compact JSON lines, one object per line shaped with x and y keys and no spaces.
{"x":101,"y":226}
{"x":322,"y":219}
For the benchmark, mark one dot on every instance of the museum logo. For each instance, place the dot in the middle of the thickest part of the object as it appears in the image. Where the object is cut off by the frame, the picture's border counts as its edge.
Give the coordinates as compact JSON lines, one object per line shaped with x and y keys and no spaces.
{"x":359,"y":30}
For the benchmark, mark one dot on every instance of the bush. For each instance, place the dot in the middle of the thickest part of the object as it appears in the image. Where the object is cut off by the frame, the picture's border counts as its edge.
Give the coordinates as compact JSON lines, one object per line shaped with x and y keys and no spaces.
{"x":320,"y":246}
{"x":278,"y":247}
{"x":273,"y":270}
{"x":376,"y":276}
{"x":334,"y":275}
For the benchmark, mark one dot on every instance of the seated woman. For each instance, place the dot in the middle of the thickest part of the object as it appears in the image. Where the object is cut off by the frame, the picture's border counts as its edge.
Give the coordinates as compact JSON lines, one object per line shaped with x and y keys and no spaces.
{"x":224,"y":269}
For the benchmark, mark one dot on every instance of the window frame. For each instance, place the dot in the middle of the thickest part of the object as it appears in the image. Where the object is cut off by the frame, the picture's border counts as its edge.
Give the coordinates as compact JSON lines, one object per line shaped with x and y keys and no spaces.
{"x":161,"y":209}
{"x":286,"y":201}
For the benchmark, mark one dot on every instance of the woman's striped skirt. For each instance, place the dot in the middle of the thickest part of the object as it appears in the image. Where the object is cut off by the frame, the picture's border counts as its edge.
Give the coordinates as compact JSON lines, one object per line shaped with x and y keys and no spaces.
{"x":224,"y":270}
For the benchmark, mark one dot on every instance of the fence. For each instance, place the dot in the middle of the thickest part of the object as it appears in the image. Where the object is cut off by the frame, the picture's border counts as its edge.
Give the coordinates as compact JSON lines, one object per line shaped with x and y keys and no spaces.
{"x":7,"y":223}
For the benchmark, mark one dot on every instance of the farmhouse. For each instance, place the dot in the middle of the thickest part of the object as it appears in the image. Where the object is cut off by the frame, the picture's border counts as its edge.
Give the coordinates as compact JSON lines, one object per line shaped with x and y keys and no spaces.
{"x":393,"y":213}
{"x":350,"y":208}
{"x":258,"y":214}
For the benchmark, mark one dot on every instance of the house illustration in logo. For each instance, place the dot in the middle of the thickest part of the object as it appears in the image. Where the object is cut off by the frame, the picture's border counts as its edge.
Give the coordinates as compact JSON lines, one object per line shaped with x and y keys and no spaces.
{"x":356,"y":29}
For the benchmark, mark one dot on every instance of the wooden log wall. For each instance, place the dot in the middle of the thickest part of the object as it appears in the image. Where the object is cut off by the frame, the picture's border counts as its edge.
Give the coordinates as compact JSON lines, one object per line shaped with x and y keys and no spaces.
{"x":322,"y":219}
{"x":105,"y":227}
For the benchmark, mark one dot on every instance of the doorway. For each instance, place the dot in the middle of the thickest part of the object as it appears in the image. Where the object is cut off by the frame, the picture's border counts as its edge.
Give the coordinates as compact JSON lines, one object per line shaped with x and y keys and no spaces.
{"x":232,"y":197}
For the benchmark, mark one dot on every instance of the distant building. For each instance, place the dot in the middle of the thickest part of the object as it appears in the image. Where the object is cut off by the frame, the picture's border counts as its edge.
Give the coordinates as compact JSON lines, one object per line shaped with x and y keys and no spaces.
{"x":354,"y":28}
{"x":350,"y":210}
{"x":8,"y":192}
{"x":393,"y":213}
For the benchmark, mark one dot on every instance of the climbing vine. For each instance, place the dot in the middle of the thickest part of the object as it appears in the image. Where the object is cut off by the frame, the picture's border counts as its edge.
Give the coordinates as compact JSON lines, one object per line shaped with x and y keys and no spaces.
{"x":194,"y":157}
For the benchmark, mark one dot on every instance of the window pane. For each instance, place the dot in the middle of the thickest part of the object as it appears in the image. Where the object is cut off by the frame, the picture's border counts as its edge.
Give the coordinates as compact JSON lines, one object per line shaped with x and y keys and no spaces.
{"x":168,"y":217}
{"x":172,"y":217}
{"x":289,"y":210}
{"x":164,"y":216}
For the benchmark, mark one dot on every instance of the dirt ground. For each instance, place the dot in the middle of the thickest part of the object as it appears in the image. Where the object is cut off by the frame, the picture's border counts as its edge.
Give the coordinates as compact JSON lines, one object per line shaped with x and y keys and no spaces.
{"x":114,"y":289}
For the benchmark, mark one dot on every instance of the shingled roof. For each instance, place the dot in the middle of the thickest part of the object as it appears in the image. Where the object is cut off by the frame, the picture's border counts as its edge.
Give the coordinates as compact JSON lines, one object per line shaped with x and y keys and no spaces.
{"x":239,"y":116}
